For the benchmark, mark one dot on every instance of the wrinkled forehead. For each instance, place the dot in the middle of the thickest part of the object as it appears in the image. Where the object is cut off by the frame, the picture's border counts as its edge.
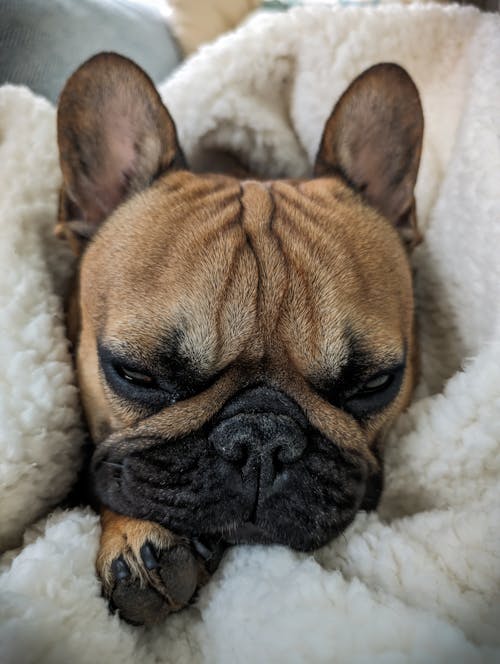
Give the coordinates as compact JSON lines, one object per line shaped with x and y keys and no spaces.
{"x":348,"y":276}
{"x":173,"y":263}
{"x":213,"y":262}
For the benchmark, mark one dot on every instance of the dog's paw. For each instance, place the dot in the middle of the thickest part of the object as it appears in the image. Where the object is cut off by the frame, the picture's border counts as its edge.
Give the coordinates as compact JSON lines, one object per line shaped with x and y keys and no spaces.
{"x":166,"y":582}
{"x":146,"y":571}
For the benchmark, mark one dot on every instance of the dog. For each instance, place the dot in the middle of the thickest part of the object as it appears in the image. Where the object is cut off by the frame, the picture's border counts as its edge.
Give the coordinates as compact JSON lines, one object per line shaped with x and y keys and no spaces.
{"x":241,"y":345}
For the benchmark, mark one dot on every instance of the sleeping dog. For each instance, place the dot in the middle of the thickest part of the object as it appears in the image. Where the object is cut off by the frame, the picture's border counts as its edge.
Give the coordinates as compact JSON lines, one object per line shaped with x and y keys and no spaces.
{"x":241,"y":345}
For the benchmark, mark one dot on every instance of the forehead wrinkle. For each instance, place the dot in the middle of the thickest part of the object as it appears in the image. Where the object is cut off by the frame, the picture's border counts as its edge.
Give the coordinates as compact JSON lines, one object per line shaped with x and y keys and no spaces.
{"x":183,"y":279}
{"x":316,"y":240}
{"x":141,"y":239}
{"x":332,"y":280}
{"x":313,"y":313}
{"x":204,"y":298}
{"x":224,"y":290}
{"x":259,"y":211}
{"x":206,"y":339}
{"x":203,"y":226}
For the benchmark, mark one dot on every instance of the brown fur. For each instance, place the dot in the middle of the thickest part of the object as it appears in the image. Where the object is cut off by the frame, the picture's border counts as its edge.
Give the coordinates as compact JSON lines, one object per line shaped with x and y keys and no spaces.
{"x":299,"y":238}
{"x":267,"y":279}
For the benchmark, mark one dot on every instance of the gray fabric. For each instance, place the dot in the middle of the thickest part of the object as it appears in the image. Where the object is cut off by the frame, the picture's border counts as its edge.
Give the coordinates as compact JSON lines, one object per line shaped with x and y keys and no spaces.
{"x":43,"y":41}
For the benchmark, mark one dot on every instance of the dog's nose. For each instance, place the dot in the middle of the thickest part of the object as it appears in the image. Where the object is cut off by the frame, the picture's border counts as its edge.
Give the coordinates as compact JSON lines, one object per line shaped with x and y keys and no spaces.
{"x":274,"y":440}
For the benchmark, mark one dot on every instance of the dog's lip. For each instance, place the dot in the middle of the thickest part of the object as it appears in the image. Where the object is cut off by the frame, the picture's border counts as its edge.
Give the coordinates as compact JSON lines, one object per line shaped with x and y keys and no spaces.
{"x":248,"y":532}
{"x":114,"y":464}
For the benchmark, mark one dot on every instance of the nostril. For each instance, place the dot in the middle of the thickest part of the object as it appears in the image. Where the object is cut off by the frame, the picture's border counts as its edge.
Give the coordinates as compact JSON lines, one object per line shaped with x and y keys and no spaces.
{"x":231,"y":443}
{"x":235,"y":451}
{"x":278,"y":466}
{"x":289,"y":449}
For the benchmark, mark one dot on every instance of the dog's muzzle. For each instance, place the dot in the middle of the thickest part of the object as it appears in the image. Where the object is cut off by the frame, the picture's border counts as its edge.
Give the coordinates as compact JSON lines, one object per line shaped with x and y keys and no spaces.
{"x":258,"y":472}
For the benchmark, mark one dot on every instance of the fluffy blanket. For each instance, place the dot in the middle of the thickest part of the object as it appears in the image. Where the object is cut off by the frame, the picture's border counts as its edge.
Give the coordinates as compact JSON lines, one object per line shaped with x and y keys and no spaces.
{"x":418,"y":581}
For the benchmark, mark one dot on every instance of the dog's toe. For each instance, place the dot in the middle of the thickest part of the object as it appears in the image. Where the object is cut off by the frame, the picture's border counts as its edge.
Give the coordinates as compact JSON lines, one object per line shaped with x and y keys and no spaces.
{"x":174,"y":571}
{"x":136,"y":605}
{"x":179,"y":572}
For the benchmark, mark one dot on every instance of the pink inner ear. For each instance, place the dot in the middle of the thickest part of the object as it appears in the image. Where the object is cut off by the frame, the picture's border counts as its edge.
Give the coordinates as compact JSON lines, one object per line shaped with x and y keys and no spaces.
{"x":373,"y":139}
{"x":111,"y":181}
{"x":392,"y":201}
{"x":120,"y":139}
{"x":114,"y":135}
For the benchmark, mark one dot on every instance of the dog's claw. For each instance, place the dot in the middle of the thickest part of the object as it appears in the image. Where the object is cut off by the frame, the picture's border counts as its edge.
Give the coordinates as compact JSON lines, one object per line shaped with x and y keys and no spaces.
{"x":120,"y":569}
{"x":148,"y":556}
{"x":211,"y":552}
{"x":202,"y":550}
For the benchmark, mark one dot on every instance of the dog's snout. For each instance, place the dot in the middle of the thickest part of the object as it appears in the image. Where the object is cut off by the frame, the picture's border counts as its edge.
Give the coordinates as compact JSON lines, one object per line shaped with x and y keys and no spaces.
{"x":267,"y":438}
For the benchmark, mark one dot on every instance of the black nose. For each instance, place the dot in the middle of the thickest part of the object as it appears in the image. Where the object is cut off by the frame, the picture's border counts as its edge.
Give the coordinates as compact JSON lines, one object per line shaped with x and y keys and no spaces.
{"x":275,"y":440}
{"x":272,"y":439}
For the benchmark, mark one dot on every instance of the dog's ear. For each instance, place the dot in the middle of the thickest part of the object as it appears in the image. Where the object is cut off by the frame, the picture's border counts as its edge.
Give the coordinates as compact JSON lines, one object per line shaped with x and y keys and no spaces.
{"x":115,"y":136}
{"x":373,"y":140}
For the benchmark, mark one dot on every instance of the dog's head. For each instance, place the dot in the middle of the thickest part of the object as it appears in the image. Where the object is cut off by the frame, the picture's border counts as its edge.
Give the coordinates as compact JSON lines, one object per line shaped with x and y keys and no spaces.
{"x":242,"y":345}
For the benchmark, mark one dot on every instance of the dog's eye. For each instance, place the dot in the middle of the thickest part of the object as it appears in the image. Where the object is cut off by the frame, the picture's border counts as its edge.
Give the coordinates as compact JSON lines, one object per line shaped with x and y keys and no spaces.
{"x":375,"y":394}
{"x":135,"y":377}
{"x":134,"y":382}
{"x":376,"y":384}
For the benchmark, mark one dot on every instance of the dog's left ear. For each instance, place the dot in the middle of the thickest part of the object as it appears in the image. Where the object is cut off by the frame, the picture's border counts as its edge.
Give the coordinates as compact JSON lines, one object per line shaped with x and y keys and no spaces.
{"x":373,"y":140}
{"x":115,"y":137}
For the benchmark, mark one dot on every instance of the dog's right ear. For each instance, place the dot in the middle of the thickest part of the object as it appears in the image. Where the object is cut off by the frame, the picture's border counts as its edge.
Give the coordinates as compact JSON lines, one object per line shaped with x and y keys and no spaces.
{"x":115,"y":137}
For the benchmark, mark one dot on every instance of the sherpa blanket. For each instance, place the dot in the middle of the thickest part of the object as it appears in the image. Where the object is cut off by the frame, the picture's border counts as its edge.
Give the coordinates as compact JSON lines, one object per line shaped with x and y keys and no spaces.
{"x":419,"y":580}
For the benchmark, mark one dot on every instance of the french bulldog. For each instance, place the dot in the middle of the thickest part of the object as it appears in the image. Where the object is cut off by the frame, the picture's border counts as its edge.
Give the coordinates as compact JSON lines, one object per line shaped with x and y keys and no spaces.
{"x":241,"y":345}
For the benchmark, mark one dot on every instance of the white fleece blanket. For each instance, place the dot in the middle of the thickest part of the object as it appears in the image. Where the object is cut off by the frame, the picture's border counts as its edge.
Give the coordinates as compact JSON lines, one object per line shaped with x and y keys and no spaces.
{"x":420,"y":580}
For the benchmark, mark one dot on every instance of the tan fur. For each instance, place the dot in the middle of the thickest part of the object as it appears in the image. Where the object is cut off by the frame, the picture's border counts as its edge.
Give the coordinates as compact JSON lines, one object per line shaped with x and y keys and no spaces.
{"x":267,"y":280}
{"x":124,"y":536}
{"x":275,"y":263}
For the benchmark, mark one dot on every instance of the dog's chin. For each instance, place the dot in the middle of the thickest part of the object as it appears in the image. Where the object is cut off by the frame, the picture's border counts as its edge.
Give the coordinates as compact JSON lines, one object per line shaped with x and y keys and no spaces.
{"x":185,"y":486}
{"x":296,"y":536}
